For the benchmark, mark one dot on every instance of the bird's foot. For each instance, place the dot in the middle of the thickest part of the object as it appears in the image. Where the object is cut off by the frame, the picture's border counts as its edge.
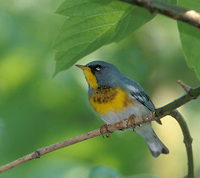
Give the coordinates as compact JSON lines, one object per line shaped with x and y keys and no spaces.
{"x":151,"y":117}
{"x":131,"y":121}
{"x":104,"y":130}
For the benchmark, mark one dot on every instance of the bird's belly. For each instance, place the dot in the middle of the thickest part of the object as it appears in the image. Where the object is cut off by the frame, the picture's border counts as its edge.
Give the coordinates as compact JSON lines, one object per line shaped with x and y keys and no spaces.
{"x":138,"y":110}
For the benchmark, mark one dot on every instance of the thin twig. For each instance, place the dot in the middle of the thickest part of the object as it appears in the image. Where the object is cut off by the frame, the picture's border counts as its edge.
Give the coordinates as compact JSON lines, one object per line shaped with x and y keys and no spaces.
{"x":193,"y":93}
{"x":159,"y":6}
{"x":185,"y":87}
{"x":42,"y":151}
{"x":187,"y":141}
{"x":127,"y":123}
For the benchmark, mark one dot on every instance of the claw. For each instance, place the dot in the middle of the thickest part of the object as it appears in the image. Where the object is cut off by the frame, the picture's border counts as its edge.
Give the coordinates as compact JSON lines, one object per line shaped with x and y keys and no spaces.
{"x":104,"y":130}
{"x":130,"y":120}
{"x":153,"y":116}
{"x":159,"y":121}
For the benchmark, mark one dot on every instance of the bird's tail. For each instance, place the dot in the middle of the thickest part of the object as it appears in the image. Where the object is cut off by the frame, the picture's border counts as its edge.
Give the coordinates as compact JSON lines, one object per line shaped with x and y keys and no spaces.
{"x":154,"y":143}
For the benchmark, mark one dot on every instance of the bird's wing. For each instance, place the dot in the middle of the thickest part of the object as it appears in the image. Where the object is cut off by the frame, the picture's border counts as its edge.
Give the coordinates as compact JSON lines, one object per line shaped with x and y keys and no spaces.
{"x":138,"y":93}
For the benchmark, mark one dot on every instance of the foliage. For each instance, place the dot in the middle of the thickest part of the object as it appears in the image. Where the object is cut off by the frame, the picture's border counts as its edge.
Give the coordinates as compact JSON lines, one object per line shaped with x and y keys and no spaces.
{"x":36,"y":110}
{"x":90,"y":24}
{"x":104,"y":172}
{"x":190,"y":38}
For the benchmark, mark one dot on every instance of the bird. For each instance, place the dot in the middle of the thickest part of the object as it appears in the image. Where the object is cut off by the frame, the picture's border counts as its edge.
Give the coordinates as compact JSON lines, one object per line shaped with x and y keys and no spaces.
{"x":115,"y":97}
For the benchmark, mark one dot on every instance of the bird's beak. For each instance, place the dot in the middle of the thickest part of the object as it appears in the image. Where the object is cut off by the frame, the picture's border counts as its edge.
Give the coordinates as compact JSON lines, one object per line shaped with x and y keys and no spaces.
{"x":82,"y":67}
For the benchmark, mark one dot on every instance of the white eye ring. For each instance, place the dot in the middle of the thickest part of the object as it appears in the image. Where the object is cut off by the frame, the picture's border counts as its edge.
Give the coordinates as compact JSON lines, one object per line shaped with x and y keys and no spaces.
{"x":98,"y":68}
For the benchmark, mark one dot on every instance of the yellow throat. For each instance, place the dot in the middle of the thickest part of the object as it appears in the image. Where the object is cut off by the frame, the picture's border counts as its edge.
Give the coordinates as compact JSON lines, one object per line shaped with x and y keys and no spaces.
{"x":90,"y":77}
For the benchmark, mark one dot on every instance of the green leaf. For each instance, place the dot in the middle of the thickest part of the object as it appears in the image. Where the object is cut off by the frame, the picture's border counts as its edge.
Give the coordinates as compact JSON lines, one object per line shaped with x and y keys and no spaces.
{"x":90,"y":24}
{"x":190,"y":38}
{"x":143,"y":176}
{"x":172,"y":1}
{"x":104,"y":172}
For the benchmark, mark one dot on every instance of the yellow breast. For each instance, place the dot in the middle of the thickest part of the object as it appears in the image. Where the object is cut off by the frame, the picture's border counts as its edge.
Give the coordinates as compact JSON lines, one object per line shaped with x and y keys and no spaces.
{"x":109,"y":99}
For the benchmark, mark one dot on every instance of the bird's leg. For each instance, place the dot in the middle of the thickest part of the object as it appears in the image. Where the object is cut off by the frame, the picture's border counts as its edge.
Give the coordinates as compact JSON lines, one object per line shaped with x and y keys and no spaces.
{"x":104,"y":130}
{"x":151,"y":116}
{"x":158,"y":119}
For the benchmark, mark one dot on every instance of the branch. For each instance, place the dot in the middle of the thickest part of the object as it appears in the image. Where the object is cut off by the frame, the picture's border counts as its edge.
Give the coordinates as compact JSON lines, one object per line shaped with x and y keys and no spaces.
{"x":159,"y":6}
{"x":187,"y":141}
{"x":193,"y":93}
{"x":168,"y":109}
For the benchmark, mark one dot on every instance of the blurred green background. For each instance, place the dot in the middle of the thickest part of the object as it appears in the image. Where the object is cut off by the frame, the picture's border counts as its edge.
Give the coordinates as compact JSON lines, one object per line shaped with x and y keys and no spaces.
{"x":37,"y":110}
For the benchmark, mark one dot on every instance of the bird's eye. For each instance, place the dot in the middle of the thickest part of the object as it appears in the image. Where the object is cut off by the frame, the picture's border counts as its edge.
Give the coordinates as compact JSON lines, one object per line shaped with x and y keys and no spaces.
{"x":98,"y":67}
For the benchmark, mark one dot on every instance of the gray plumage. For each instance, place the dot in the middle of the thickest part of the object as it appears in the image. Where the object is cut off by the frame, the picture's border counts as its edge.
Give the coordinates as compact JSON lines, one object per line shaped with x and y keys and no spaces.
{"x":108,"y":75}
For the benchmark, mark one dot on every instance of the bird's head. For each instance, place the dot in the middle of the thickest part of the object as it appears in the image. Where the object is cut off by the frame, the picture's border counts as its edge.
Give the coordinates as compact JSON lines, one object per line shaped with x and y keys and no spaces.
{"x":100,"y":73}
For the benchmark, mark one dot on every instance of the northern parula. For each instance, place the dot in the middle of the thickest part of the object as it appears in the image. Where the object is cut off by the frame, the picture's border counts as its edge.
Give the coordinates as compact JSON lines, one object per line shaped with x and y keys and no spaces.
{"x":115,"y":97}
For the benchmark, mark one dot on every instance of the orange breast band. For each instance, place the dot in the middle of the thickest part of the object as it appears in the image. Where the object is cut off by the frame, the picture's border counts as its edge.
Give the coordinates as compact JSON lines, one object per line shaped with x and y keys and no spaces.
{"x":104,"y":100}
